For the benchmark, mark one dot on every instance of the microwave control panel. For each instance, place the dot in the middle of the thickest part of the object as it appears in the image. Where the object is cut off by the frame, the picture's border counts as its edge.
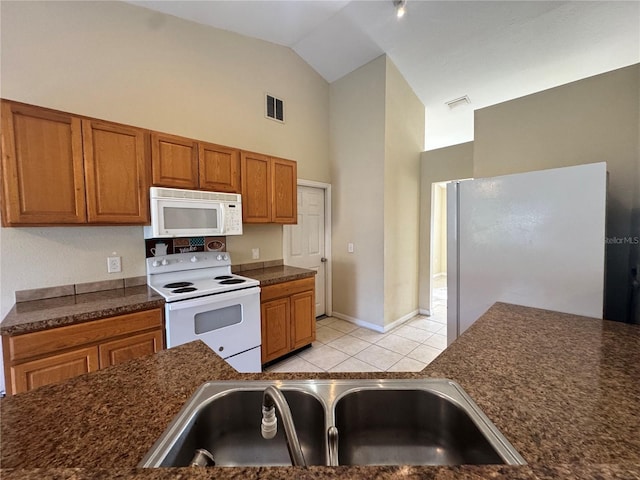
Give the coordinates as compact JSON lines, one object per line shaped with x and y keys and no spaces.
{"x":233,"y":219}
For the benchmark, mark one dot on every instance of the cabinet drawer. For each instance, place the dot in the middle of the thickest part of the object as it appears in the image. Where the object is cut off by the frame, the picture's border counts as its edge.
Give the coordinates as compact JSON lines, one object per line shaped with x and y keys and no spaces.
{"x":61,"y":338}
{"x":286,"y":289}
{"x":128,"y":348}
{"x":53,"y":369}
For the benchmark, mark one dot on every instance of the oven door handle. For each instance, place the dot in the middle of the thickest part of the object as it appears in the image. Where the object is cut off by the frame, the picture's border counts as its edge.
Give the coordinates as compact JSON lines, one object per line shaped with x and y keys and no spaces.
{"x":212,"y":299}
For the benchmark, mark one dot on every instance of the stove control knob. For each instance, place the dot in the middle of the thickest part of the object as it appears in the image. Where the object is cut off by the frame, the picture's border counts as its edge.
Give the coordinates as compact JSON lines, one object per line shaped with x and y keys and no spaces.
{"x":225,"y":257}
{"x":194,"y":259}
{"x":219,"y":257}
{"x":165,"y":261}
{"x":156,"y":263}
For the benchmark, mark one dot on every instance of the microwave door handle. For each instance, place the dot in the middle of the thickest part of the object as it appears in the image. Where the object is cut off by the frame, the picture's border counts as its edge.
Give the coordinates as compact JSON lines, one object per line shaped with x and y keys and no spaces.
{"x":223,"y":224}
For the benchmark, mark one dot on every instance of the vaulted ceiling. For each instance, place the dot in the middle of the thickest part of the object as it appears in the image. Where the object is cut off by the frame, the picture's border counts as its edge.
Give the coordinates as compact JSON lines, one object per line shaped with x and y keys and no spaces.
{"x":491,"y":51}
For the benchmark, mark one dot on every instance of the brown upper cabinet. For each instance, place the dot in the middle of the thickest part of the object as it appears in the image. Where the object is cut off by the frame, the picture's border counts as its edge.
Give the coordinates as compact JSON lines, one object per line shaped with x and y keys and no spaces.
{"x":174,"y":161}
{"x":65,"y":169}
{"x":60,"y":168}
{"x":269,"y":191}
{"x":116,"y":173}
{"x":180,"y":162}
{"x":42,"y":166}
{"x":219,"y":168}
{"x":284,"y":178}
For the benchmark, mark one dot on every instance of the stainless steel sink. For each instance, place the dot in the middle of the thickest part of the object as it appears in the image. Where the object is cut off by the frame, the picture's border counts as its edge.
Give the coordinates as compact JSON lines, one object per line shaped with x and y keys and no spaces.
{"x":379,"y":422}
{"x":225,"y":419}
{"x":409,"y":427}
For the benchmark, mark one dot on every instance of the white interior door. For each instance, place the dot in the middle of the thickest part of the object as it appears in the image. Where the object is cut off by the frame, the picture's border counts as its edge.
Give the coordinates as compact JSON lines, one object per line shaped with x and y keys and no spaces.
{"x":304,"y":244}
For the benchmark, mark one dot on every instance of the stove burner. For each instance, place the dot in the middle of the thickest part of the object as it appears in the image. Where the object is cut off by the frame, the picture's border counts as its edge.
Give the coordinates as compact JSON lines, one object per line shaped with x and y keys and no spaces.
{"x":232,"y":281}
{"x":185,"y":289}
{"x":223,"y":277}
{"x":178,"y":285}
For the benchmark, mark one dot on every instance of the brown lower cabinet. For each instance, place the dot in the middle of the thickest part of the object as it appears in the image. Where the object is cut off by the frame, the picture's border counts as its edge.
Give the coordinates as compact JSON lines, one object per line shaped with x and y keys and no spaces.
{"x":49,"y":356}
{"x":288,"y":317}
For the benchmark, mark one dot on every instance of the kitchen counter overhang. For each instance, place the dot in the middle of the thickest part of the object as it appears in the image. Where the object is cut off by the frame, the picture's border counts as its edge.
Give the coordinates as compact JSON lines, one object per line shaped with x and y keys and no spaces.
{"x":565,"y":391}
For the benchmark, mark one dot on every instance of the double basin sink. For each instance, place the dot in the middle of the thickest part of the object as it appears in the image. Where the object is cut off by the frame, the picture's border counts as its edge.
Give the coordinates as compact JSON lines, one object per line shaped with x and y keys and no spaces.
{"x":379,"y":422}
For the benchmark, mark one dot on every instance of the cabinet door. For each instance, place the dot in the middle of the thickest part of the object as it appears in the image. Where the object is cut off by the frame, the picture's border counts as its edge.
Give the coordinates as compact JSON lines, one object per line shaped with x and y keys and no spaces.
{"x":219,"y":168}
{"x":256,"y":188}
{"x":174,"y":161}
{"x":303,"y":322}
{"x":119,"y":351}
{"x":116,"y":173}
{"x":275,"y":319}
{"x":53,"y":369}
{"x":284,"y":191}
{"x":42,"y":170}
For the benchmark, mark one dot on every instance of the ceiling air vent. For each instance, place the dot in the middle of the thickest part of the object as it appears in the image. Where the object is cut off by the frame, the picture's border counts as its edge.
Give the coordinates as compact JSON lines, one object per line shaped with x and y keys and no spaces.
{"x":275,"y":108}
{"x":458,"y":102}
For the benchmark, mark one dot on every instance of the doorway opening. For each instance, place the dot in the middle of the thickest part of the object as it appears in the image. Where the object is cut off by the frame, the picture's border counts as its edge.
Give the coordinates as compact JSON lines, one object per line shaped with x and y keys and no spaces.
{"x":438,"y":253}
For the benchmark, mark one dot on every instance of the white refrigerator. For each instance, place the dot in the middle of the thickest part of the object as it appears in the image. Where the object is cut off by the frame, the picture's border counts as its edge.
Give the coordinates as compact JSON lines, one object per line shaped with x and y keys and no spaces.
{"x":535,"y":239}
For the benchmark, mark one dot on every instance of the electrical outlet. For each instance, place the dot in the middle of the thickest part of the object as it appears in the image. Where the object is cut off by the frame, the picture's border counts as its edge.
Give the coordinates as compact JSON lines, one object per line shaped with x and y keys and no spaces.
{"x":255,"y":253}
{"x":350,"y":247}
{"x":114,"y":264}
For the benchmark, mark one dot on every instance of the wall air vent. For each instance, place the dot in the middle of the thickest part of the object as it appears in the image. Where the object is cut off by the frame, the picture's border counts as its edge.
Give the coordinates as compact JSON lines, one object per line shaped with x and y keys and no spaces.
{"x":274,"y":108}
{"x":458,"y":102}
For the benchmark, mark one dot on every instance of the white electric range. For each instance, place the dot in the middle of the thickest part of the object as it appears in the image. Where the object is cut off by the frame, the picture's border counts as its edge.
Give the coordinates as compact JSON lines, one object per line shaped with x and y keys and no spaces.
{"x":205,"y":301}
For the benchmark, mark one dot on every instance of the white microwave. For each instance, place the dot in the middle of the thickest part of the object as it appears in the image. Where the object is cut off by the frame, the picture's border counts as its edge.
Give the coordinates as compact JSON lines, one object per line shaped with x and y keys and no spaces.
{"x":193,"y":213}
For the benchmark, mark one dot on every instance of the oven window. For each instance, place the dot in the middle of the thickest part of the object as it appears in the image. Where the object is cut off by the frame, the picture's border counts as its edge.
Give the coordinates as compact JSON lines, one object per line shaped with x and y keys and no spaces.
{"x":216,"y":319}
{"x":189,"y":218}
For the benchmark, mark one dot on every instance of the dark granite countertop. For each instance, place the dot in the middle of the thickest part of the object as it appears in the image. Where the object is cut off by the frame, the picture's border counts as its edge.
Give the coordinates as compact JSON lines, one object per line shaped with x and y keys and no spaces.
{"x":35,"y":315}
{"x":563,"y":389}
{"x":279,"y":274}
{"x":26,"y":317}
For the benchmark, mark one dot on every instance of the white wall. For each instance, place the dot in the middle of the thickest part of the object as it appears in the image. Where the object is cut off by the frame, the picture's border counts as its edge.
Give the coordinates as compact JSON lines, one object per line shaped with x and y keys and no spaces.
{"x":404,"y":140}
{"x":120,"y":62}
{"x":357,"y":132}
{"x":440,"y":165}
{"x":377,"y":134}
{"x":439,"y":228}
{"x":588,"y":121}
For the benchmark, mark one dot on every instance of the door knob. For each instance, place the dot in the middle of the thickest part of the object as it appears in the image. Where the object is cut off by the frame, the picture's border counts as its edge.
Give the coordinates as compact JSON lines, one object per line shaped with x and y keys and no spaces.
{"x":323,"y":259}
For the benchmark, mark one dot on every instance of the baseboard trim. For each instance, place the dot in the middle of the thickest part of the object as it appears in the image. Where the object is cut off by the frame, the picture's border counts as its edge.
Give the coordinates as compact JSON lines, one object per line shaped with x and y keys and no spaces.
{"x":357,"y":321}
{"x":424,"y":311}
{"x":373,"y":326}
{"x":400,"y":320}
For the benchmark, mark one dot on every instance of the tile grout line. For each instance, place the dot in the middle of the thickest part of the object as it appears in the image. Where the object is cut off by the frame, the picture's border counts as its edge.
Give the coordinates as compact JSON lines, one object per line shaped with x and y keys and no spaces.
{"x":373,"y":343}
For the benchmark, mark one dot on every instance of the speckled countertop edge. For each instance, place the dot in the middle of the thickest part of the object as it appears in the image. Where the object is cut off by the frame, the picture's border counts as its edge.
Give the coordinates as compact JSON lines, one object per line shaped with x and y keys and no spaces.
{"x":273,"y":275}
{"x":39,"y":315}
{"x":36,"y":315}
{"x":466,"y":472}
{"x":560,"y":387}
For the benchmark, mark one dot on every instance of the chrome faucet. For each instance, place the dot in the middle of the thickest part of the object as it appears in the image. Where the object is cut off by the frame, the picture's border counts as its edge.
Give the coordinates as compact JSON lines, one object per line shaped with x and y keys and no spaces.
{"x":272,"y":398}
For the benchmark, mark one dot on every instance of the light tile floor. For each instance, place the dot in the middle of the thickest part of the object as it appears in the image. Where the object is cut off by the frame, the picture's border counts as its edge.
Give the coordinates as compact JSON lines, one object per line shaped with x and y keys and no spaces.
{"x":342,"y":346}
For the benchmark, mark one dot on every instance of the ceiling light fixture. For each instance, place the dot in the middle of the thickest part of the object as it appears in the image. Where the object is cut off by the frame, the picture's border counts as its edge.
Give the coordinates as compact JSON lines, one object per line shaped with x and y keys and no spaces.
{"x":400,"y":7}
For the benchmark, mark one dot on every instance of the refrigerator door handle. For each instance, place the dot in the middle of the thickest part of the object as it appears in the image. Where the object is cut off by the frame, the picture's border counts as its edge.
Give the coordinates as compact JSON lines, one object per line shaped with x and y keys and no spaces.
{"x":453,"y":261}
